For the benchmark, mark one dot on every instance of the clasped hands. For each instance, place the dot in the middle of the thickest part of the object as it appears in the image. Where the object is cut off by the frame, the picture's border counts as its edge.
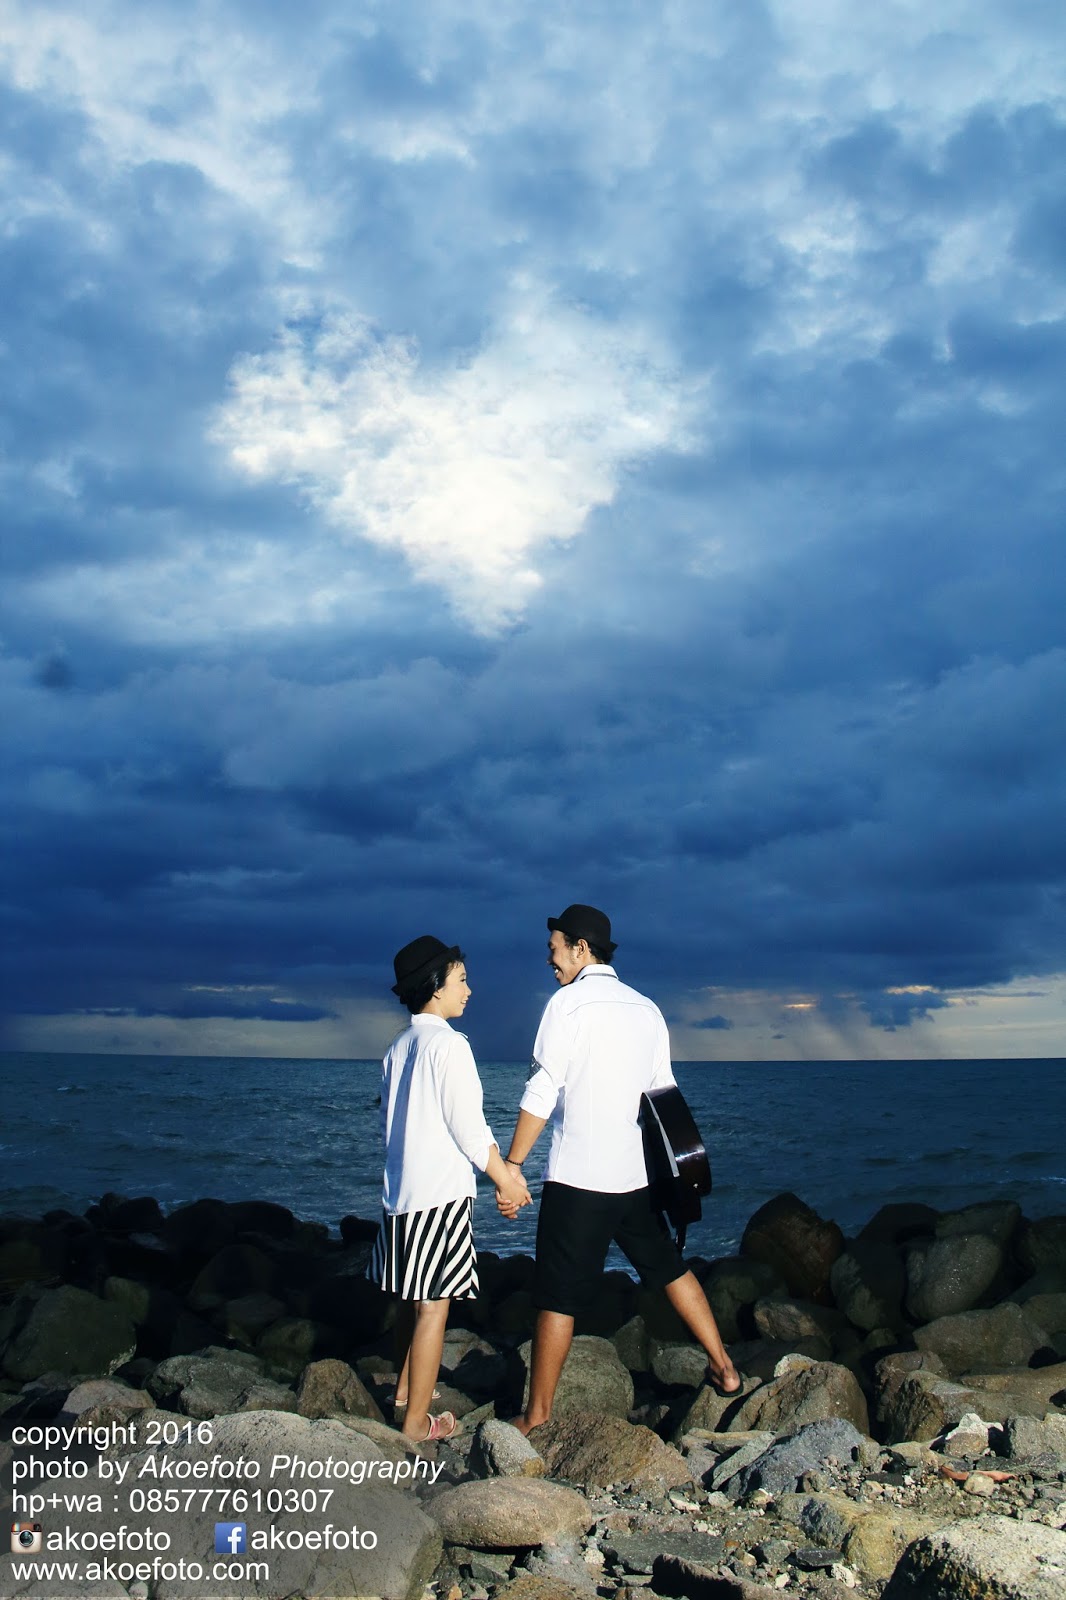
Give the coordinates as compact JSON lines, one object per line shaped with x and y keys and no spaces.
{"x":512,"y":1194}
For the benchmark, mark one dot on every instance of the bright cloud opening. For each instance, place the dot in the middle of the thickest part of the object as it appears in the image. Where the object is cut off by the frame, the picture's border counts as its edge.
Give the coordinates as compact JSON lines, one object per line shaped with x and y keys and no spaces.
{"x":469,"y":471}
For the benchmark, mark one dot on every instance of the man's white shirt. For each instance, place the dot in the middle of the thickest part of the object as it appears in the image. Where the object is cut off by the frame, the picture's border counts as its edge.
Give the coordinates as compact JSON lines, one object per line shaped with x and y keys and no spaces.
{"x":599,"y":1047}
{"x":432,"y":1118}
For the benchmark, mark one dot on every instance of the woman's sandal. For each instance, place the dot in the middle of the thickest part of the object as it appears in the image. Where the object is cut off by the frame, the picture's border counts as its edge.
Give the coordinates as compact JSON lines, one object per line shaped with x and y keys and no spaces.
{"x":401,"y":1405}
{"x":441,"y":1427}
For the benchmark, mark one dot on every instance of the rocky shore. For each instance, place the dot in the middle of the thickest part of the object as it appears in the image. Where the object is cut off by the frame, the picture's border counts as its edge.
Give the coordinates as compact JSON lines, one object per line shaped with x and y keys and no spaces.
{"x":901,"y":1430}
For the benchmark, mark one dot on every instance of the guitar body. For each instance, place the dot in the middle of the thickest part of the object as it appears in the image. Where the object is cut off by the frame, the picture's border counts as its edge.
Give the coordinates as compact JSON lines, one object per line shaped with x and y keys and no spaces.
{"x":678,"y":1169}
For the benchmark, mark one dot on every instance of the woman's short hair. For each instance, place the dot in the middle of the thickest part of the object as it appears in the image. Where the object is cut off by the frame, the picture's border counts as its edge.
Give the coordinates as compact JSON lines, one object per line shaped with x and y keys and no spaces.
{"x":418,"y":999}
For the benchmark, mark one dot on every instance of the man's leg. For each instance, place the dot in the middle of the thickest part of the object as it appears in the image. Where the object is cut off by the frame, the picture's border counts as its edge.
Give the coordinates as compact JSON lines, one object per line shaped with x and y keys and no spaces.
{"x":686,"y":1296}
{"x":552,"y":1338}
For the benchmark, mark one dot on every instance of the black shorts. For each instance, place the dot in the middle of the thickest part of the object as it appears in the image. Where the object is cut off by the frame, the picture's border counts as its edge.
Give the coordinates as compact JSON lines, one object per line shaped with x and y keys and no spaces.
{"x":574,"y":1233}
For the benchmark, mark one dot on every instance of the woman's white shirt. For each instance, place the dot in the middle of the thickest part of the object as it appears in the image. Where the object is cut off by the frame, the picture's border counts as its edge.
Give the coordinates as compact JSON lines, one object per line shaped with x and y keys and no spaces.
{"x":432,"y":1119}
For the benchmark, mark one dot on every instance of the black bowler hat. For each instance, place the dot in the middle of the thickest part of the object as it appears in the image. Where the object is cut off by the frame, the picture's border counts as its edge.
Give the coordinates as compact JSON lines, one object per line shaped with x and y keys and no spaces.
{"x":414,"y":963}
{"x":585,"y":922}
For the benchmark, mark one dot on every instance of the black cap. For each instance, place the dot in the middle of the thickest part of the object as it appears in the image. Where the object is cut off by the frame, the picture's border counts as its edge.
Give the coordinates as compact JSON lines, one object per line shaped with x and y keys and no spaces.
{"x":414,"y":963}
{"x":585,"y":922}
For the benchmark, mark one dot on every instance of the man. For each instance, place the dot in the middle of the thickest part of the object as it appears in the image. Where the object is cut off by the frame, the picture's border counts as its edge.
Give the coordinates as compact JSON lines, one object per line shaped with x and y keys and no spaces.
{"x":599,"y":1047}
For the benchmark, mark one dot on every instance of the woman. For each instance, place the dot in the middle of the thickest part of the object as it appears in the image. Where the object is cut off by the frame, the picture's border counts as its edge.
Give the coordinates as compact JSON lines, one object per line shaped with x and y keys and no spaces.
{"x":435,"y":1135}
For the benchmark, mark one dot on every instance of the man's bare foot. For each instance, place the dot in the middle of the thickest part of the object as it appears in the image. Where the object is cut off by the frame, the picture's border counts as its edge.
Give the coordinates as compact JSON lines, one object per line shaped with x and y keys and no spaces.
{"x":525,"y":1424}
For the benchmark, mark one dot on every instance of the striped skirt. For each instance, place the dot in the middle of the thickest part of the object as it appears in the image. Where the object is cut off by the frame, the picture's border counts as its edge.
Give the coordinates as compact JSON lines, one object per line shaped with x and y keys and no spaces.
{"x":427,"y":1255}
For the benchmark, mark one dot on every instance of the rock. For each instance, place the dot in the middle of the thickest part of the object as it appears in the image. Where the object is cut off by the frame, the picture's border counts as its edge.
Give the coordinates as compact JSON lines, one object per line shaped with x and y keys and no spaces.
{"x":531,"y":1586}
{"x":236,"y":1271}
{"x":1025,"y":1392}
{"x":499,"y":1451}
{"x":1029,"y":1439}
{"x":793,"y":1320}
{"x":637,"y":1553}
{"x":900,"y":1221}
{"x":971,"y":1341}
{"x":983,"y":1557}
{"x":594,"y":1450}
{"x":732,"y":1287}
{"x":117,"y":1215}
{"x":510,"y":1513}
{"x":923,"y":1406}
{"x":788,"y":1236}
{"x":290,"y":1344}
{"x":563,"y":1563}
{"x":813,"y":1393}
{"x":262,"y":1216}
{"x":711,"y":1411}
{"x":871,"y":1538}
{"x":244,"y":1319}
{"x":593,"y":1378}
{"x":408,"y":1543}
{"x":105,"y":1392}
{"x":70,"y":1333}
{"x":1048,"y":1311}
{"x":209,"y":1384}
{"x":752,"y":1448}
{"x":198,"y":1231}
{"x":945,"y":1276}
{"x":969,"y":1437}
{"x":867,"y":1281}
{"x":331,"y":1388}
{"x":1041,"y":1246}
{"x":784,"y":1462}
{"x":633,"y":1345}
{"x":681,"y":1364}
{"x":997,"y":1219}
{"x":673,"y":1575}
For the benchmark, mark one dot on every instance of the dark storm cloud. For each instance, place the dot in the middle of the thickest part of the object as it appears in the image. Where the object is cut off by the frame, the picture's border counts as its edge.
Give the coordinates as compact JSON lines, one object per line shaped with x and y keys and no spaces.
{"x":788,"y":702}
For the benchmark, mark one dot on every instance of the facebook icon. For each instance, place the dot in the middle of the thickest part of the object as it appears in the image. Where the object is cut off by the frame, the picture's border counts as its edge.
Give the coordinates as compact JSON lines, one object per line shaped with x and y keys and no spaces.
{"x":231,"y":1538}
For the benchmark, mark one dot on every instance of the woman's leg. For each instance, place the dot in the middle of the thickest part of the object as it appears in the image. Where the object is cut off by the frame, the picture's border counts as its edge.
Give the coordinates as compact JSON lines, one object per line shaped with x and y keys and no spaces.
{"x":423,"y":1364}
{"x":402,"y":1332}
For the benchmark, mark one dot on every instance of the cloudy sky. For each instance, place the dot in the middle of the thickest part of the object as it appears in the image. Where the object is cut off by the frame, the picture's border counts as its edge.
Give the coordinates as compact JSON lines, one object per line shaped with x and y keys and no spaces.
{"x":464,"y":457}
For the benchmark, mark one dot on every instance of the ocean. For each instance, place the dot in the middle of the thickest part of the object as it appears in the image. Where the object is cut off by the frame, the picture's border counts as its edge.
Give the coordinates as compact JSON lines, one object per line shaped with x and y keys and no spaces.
{"x":847,"y":1137}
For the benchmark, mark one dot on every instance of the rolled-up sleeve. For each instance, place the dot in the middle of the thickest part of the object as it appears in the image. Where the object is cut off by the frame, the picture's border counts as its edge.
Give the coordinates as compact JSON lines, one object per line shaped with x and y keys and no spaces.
{"x":461,"y":1102}
{"x":551,"y":1056}
{"x":662,"y":1076}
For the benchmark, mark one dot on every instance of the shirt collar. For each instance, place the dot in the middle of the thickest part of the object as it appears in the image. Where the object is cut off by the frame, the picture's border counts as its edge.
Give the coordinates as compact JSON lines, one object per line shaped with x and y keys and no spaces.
{"x":596,"y":968}
{"x":428,"y":1019}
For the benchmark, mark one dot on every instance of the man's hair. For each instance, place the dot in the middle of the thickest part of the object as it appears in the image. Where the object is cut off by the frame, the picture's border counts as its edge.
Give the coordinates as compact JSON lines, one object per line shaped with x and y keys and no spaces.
{"x":418,"y":999}
{"x":596,"y":951}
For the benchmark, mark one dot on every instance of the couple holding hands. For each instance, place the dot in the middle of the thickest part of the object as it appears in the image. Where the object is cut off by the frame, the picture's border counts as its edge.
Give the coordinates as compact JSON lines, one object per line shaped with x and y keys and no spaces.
{"x":599,"y":1047}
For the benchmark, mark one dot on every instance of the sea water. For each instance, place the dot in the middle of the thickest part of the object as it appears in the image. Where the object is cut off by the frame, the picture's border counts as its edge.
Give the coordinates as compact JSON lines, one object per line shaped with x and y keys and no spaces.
{"x":847,"y":1137}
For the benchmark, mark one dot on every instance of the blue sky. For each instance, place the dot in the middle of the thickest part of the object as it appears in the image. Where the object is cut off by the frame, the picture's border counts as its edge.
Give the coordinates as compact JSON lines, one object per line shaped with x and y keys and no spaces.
{"x":459,"y":459}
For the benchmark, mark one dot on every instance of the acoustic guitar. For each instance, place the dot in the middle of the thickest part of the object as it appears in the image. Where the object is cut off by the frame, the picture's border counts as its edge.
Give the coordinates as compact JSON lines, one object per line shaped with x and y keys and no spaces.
{"x":678,"y":1169}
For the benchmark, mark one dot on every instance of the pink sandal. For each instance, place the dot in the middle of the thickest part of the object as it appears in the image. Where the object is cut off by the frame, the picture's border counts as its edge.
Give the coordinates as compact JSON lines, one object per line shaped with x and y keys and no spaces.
{"x":441,"y":1427}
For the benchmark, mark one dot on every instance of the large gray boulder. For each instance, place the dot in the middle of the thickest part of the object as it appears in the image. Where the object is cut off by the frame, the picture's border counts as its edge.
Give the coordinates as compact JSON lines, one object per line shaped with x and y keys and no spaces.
{"x":1006,"y":1335}
{"x":997,"y":1219}
{"x":593,"y":1378}
{"x":499,"y":1450}
{"x":587,"y":1448}
{"x":871,"y":1538}
{"x":1041,"y":1245}
{"x":73,"y":1334}
{"x":509,"y":1514}
{"x":808,"y":1391}
{"x":952,"y":1274}
{"x":867,"y":1281}
{"x":796,"y":1242}
{"x":214,"y":1382}
{"x":732,"y":1286}
{"x":782,"y":1464}
{"x":331,"y":1388}
{"x":994,"y":1557}
{"x":794,"y":1321}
